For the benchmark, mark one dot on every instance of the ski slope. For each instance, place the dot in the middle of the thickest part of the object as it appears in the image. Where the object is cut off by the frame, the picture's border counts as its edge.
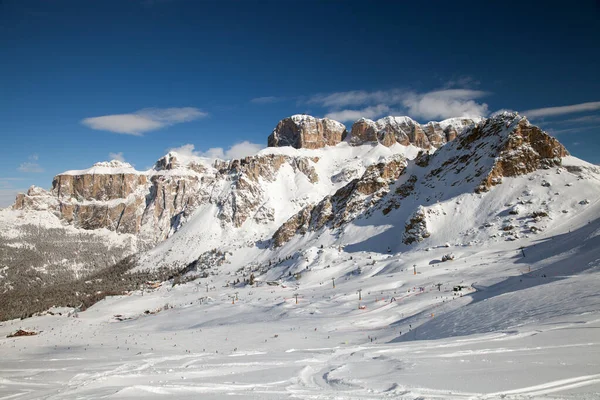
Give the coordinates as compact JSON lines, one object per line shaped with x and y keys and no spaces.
{"x":352,"y":312}
{"x":521,"y":328}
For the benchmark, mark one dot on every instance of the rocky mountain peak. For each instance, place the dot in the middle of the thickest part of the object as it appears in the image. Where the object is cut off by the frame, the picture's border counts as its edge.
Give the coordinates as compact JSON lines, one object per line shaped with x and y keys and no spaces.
{"x":406,"y":131}
{"x":167,"y":162}
{"x":305,"y":131}
{"x":271,"y":204}
{"x":505,"y":145}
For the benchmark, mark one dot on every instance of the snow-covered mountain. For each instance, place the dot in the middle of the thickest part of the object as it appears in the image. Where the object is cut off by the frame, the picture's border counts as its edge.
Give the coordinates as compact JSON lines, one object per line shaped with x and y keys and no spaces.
{"x":411,"y":194}
{"x":497,"y":181}
{"x":134,"y":210}
{"x":383,"y":175}
{"x":309,"y":270}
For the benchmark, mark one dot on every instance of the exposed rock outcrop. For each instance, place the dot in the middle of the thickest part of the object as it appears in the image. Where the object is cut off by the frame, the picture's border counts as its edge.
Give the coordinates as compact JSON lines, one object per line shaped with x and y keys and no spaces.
{"x":346,"y":203}
{"x":415,"y":229}
{"x":526,"y":149}
{"x":155,"y":203}
{"x":505,"y":145}
{"x":403,"y":130}
{"x":247,"y":177}
{"x":304,"y":131}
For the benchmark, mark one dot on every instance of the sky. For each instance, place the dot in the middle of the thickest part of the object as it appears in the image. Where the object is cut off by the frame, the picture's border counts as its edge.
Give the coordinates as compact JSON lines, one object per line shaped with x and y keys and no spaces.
{"x":89,"y":81}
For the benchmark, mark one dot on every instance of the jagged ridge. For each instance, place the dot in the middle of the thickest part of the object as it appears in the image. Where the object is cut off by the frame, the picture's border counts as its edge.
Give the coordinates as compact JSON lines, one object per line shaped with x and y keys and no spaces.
{"x":502,"y":146}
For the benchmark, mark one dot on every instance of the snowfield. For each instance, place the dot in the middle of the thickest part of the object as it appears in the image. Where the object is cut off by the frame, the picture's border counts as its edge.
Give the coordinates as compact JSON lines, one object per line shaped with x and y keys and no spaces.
{"x":496,"y":298}
{"x":519,"y":328}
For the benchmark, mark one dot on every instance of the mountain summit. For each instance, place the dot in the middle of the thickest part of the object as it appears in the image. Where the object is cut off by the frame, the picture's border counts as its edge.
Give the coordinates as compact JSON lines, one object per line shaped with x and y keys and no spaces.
{"x":393,"y":179}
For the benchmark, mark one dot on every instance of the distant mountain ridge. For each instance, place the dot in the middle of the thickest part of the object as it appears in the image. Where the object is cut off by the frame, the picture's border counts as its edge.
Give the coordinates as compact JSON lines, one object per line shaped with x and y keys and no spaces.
{"x":305,"y":131}
{"x":506,"y":145}
{"x":153,"y":204}
{"x":316,"y":180}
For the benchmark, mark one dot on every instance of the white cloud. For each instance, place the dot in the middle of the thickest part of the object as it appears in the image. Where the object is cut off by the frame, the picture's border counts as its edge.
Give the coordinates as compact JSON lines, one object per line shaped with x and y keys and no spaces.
{"x":352,"y":115}
{"x":30,"y":167}
{"x":557,"y":132}
{"x":186,"y":150}
{"x":242,"y":149}
{"x":34,"y":157}
{"x":145,"y":120}
{"x":429,"y":105}
{"x":265,"y":100}
{"x":581,"y":120}
{"x":357,"y":97}
{"x":237,"y":151}
{"x":551,"y":111}
{"x":116,"y":156}
{"x":446,"y":104}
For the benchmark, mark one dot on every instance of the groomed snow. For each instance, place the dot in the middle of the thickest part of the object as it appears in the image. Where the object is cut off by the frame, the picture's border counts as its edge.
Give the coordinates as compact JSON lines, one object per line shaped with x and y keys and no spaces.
{"x":521,"y":327}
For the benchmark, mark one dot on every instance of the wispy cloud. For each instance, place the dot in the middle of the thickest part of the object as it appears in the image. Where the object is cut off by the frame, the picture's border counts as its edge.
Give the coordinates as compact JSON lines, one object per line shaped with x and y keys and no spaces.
{"x":237,"y":151}
{"x":31,"y":166}
{"x":552,"y":111}
{"x":266,"y":100}
{"x":116,"y":156}
{"x":146,"y":120}
{"x":445,"y":103}
{"x":593,"y":119}
{"x":357,"y":98}
{"x":462,"y":82}
{"x":353,"y":115}
{"x":4,"y":182}
{"x":556,"y":132}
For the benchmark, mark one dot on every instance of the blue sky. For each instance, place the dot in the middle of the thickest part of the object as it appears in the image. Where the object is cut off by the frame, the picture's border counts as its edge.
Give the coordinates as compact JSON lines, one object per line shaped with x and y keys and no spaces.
{"x":85,"y":81}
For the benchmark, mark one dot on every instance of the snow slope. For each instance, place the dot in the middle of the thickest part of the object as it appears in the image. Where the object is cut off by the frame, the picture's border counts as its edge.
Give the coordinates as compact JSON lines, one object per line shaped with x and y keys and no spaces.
{"x":522,"y":328}
{"x":352,"y":312}
{"x":285,"y":195}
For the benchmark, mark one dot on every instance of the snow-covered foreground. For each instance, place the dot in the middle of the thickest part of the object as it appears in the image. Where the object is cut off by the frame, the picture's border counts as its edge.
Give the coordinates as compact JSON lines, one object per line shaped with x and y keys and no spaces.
{"x":522,"y":327}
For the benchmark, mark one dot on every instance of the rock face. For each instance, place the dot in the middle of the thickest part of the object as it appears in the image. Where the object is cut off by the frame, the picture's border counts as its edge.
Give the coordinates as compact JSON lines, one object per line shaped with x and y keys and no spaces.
{"x":101,"y":187}
{"x":526,"y":149}
{"x":415,"y":229}
{"x":247,"y":177}
{"x":505,"y":145}
{"x":155,"y":203}
{"x":304,"y":131}
{"x":346,"y":203}
{"x":403,"y":130}
{"x":502,"y":146}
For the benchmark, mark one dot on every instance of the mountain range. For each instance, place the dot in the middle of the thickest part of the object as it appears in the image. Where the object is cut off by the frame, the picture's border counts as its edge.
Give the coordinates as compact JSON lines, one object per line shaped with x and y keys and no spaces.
{"x":387,"y":186}
{"x":447,"y":260}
